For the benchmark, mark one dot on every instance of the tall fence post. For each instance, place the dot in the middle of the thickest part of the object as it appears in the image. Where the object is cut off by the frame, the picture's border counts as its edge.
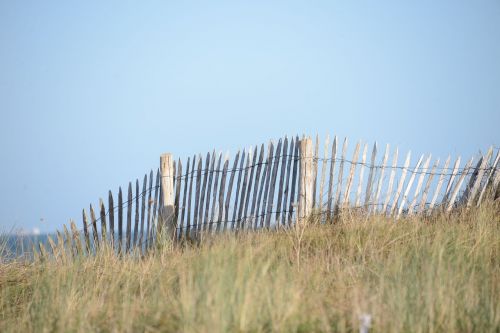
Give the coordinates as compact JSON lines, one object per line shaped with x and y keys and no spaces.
{"x":167,"y":189}
{"x":306,"y":179}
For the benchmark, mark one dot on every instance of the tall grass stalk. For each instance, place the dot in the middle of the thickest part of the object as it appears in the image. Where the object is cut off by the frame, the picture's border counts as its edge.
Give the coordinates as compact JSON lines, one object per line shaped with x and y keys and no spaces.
{"x":432,"y":274}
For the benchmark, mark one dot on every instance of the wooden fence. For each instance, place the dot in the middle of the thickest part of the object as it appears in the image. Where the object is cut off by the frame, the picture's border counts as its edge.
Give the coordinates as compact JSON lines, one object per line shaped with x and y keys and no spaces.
{"x":276,"y":186}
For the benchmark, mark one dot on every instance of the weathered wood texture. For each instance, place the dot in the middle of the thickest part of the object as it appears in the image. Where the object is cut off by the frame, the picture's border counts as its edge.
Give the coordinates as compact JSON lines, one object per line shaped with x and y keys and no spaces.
{"x":167,"y":215}
{"x":307,"y":176}
{"x":291,"y":181}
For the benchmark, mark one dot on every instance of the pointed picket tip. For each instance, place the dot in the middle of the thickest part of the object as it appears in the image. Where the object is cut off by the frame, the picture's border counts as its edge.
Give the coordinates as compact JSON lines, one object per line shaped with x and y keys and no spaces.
{"x":91,"y":209}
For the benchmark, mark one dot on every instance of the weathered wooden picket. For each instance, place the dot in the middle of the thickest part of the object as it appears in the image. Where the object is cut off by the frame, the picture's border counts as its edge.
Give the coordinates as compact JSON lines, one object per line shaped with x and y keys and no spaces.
{"x":276,"y":186}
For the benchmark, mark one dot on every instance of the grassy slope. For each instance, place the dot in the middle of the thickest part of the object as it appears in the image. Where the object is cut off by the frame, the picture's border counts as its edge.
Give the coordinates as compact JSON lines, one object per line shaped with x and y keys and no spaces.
{"x":439,"y":275}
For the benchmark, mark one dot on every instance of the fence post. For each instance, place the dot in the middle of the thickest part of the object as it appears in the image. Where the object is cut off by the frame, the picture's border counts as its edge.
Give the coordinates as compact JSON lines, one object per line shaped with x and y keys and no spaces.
{"x":167,"y":190}
{"x":306,"y":178}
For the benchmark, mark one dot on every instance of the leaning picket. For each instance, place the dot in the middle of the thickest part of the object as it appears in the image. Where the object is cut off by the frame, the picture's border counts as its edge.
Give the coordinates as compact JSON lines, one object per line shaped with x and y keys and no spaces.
{"x":244,"y":188}
{"x":103,"y":220}
{"x":491,"y":171}
{"x":329,"y":204}
{"x":266,"y":186}
{"x":257,"y":193}
{"x":294,"y":181}
{"x":156,"y":207}
{"x":143,"y":211}
{"x":287,"y":180}
{"x":150,"y":205}
{"x":451,"y":180}
{"x":401,"y":183}
{"x":341,"y":174}
{"x":249,"y":188}
{"x":238,"y":185}
{"x":221,"y":192}
{"x":94,"y":227}
{"x":86,"y":231}
{"x":136,"y":220}
{"x":454,"y":193}
{"x":281,"y":180}
{"x":209,"y":192}
{"x":479,"y":178}
{"x":380,"y":180}
{"x":272,"y":185}
{"x":177,"y":197}
{"x":120,"y":220}
{"x":315,"y":172}
{"x":323,"y":171}
{"x":214,"y":197}
{"x":439,"y":184}
{"x":391,"y":181}
{"x":352,"y":170}
{"x":129,"y":217}
{"x":361,"y":175}
{"x":230,"y":189}
{"x":369,"y":184}
{"x":408,"y":187}
{"x":423,"y":201}
{"x":184,"y":198}
{"x":419,"y":185}
{"x":188,"y":210}
{"x":111,"y":210}
{"x":202,"y":193}
{"x":197,"y":196}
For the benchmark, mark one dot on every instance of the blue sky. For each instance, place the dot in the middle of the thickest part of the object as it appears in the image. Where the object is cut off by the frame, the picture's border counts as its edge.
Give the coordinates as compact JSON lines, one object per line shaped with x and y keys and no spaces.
{"x":91,"y":93}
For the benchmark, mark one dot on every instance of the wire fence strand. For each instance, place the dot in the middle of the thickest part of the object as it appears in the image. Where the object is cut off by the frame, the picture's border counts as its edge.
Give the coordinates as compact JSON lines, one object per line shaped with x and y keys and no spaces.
{"x":332,"y":202}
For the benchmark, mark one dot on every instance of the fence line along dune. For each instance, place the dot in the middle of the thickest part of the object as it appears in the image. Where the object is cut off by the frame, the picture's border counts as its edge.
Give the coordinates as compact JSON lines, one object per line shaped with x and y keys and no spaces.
{"x":277,"y":239}
{"x":274,"y":186}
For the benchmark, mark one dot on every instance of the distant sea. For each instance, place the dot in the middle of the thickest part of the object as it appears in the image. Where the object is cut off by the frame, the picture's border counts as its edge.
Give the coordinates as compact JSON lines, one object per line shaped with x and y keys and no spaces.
{"x":21,"y":246}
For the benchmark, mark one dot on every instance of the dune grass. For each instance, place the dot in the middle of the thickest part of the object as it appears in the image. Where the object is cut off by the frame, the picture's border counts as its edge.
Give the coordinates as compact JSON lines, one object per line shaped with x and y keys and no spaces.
{"x":438,"y":274}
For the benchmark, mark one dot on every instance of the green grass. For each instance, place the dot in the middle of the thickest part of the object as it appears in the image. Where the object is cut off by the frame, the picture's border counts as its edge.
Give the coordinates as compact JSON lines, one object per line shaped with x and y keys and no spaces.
{"x":439,"y":274}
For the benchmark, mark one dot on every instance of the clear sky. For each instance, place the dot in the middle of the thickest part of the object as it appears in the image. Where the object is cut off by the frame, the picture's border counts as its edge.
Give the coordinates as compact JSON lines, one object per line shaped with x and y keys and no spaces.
{"x":92,"y":92}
